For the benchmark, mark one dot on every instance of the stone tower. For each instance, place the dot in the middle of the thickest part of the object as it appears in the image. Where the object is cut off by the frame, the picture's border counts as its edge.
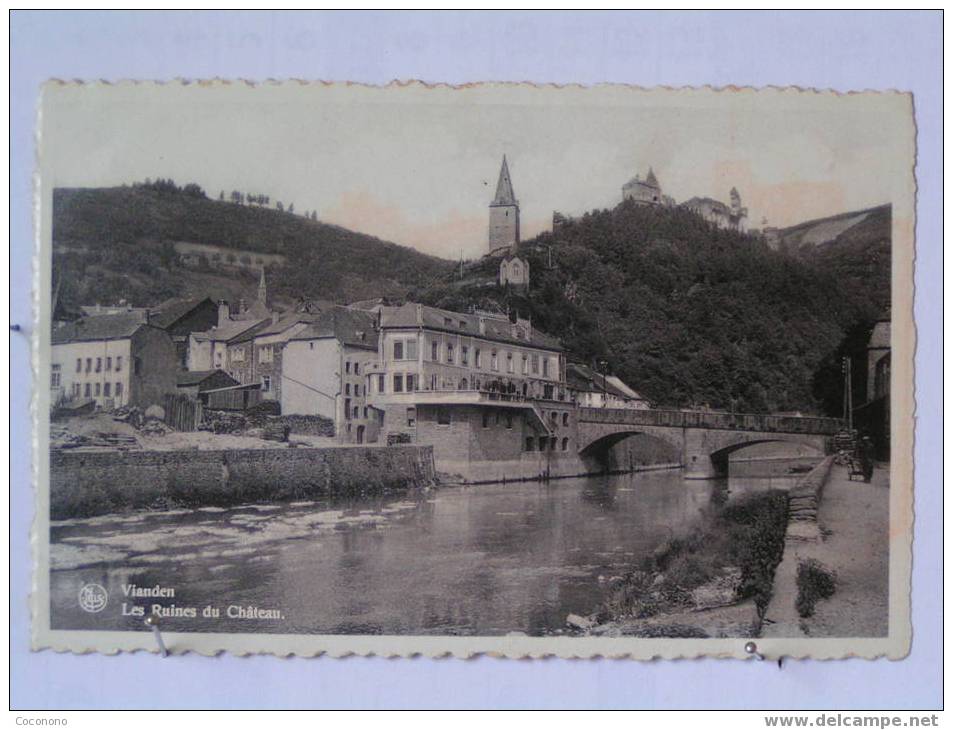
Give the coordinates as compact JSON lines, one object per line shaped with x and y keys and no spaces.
{"x":504,"y":215}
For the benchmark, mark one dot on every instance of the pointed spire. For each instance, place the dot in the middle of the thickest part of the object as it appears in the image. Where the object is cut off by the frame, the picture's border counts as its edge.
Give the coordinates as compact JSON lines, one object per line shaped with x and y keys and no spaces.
{"x":504,"y":187}
{"x":650,"y":179}
{"x":262,"y":289}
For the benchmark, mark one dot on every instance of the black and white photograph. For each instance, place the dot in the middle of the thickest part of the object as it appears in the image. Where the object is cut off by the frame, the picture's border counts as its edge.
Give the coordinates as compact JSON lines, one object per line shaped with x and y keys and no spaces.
{"x":331,"y":368}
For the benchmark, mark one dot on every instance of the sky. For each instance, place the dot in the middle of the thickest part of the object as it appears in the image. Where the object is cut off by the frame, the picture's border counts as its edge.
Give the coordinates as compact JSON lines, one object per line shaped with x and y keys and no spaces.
{"x":418,"y":165}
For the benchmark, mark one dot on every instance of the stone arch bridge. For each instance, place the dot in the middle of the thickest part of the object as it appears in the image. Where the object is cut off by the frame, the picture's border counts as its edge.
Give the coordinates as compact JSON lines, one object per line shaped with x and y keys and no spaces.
{"x":703,"y":440}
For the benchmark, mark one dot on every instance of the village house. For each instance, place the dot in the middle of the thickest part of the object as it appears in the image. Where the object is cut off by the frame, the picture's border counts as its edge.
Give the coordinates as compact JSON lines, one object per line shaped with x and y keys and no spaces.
{"x":590,"y":389}
{"x":113,"y":359}
{"x":209,"y":350}
{"x":323,"y":370}
{"x":182,"y":317}
{"x":195,"y":383}
{"x":732,"y":217}
{"x":255,"y":356}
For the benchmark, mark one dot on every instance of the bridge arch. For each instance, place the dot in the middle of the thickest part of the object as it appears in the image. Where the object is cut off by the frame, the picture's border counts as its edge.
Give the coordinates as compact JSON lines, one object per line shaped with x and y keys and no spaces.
{"x":601,"y":454}
{"x":720,"y":457}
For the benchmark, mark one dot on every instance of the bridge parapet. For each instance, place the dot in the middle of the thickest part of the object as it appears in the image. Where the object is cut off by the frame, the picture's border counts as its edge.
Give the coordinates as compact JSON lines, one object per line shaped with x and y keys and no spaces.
{"x":710,"y":420}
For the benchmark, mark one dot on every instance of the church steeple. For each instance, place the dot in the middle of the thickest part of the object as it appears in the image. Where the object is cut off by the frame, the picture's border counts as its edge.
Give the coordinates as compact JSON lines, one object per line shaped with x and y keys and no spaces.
{"x":504,"y":215}
{"x":262,"y":289}
{"x":504,"y":187}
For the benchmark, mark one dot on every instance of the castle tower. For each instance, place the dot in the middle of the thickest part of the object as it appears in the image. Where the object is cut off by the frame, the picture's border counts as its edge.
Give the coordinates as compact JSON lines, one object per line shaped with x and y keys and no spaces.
{"x":504,"y":214}
{"x":262,"y":289}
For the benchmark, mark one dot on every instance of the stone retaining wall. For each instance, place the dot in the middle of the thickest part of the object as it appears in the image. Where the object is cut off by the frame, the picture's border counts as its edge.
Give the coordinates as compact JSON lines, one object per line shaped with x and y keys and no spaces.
{"x":92,"y":483}
{"x":803,"y":501}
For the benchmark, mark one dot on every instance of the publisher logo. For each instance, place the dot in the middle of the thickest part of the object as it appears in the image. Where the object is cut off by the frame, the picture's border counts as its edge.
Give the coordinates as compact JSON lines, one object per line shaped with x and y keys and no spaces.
{"x":93,"y":598}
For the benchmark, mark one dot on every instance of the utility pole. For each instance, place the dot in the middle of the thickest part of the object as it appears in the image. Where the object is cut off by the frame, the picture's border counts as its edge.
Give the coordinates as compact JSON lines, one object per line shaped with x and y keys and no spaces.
{"x":603,"y":365}
{"x":848,"y":397}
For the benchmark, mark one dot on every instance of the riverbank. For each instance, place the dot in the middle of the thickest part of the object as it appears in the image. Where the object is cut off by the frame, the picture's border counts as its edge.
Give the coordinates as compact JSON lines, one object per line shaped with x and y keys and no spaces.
{"x":90,"y":483}
{"x":851,"y":545}
{"x":714,"y":582}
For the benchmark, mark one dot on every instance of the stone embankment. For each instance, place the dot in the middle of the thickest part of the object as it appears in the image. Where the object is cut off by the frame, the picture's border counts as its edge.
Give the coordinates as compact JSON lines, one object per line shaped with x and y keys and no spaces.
{"x":85,"y":484}
{"x":804,"y":501}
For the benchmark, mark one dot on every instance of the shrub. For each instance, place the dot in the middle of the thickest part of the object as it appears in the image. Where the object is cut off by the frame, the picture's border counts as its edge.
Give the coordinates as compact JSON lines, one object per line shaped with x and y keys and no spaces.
{"x":814,"y":582}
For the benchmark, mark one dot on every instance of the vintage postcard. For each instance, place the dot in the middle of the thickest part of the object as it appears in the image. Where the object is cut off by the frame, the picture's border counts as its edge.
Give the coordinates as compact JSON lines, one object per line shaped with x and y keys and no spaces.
{"x":324,"y":368}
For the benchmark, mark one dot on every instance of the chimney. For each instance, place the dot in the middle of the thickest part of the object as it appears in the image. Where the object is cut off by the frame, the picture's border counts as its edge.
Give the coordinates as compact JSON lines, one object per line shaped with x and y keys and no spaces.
{"x":420,"y":314}
{"x":482,"y":325}
{"x":274,"y":317}
{"x":223,"y":312}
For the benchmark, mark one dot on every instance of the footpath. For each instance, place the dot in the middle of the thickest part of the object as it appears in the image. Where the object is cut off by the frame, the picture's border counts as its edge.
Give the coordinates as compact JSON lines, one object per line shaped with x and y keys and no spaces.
{"x":853,"y":521}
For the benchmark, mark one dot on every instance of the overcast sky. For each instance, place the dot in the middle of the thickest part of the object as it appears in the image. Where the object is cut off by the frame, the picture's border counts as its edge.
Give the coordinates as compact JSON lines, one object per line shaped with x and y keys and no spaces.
{"x":418,"y":166}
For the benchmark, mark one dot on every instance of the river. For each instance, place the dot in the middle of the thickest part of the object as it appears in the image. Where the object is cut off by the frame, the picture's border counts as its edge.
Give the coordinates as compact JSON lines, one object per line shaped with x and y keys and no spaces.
{"x":480,"y":560}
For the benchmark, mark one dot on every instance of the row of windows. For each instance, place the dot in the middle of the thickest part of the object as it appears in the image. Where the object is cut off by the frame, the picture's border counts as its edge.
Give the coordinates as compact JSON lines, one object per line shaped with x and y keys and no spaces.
{"x":546,"y":443}
{"x":95,"y":390}
{"x":353,"y":411}
{"x":99,"y":364}
{"x":357,"y":389}
{"x":357,"y":367}
{"x":530,"y":364}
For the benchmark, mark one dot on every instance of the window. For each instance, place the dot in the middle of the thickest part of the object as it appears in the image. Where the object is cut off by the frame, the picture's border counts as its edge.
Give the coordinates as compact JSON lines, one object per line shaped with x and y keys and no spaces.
{"x":79,"y":364}
{"x":265,"y":383}
{"x":347,"y":389}
{"x":494,"y":363}
{"x":55,"y":376}
{"x":565,"y":419}
{"x":380,"y":383}
{"x":411,"y":417}
{"x":119,"y":390}
{"x":107,"y":389}
{"x":486,"y":419}
{"x":463,"y":324}
{"x":118,"y":363}
{"x":546,"y":367}
{"x":347,"y":407}
{"x":477,"y":359}
{"x":525,"y":369}
{"x":264,"y":354}
{"x":530,"y":443}
{"x":464,"y":355}
{"x":237,"y":356}
{"x":398,"y":349}
{"x":535,"y":362}
{"x":553,"y":417}
{"x":355,"y":411}
{"x":443,"y":416}
{"x":411,"y":349}
{"x":450,"y":352}
{"x":509,"y":420}
{"x":347,"y":367}
{"x":434,"y":351}
{"x":87,"y":390}
{"x":552,"y":444}
{"x":542,"y":443}
{"x":357,"y":389}
{"x":447,"y":322}
{"x":565,"y":444}
{"x":76,"y":390}
{"x":509,"y":362}
{"x":411,"y":383}
{"x":365,"y":411}
{"x":97,"y":389}
{"x":398,"y":383}
{"x":109,"y":364}
{"x":433,"y":381}
{"x":357,"y":369}
{"x":89,"y":364}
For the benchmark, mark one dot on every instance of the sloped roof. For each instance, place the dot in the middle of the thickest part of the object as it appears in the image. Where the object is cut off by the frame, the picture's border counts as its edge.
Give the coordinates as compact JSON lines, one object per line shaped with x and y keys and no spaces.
{"x":231,"y":329}
{"x":353,"y":327}
{"x":267,"y":327}
{"x":99,"y":327}
{"x":499,"y":330}
{"x":581,"y":377}
{"x":196,"y":377}
{"x":504,"y":187}
{"x":172,"y":310}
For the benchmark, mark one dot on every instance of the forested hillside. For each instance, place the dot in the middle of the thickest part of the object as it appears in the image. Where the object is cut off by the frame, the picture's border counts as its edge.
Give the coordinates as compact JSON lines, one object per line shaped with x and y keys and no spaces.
{"x":117,"y":243}
{"x":693,"y":315}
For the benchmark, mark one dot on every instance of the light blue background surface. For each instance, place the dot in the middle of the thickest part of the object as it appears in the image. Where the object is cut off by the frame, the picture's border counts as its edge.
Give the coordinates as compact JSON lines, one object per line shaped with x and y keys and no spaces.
{"x":843,"y":51}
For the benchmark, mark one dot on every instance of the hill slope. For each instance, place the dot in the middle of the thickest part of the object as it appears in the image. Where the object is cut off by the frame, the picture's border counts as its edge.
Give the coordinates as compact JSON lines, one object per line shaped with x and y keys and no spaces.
{"x":690,"y":314}
{"x":112,"y":243}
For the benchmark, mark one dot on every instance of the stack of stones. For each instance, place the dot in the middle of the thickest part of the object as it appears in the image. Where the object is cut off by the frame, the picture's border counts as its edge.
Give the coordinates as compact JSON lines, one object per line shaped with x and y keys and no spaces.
{"x":803,"y":502}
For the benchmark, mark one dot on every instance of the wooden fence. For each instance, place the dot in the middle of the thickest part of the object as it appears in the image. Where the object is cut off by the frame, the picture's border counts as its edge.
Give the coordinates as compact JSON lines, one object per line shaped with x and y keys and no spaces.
{"x":182,"y":413}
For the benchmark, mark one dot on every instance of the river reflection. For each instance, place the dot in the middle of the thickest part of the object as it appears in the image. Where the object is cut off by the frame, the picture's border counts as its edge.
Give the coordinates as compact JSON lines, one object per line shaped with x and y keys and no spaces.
{"x":480,"y":560}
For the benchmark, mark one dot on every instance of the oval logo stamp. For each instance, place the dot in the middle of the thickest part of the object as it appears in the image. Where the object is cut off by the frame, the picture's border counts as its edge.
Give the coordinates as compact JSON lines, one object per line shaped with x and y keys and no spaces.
{"x":93,"y":598}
